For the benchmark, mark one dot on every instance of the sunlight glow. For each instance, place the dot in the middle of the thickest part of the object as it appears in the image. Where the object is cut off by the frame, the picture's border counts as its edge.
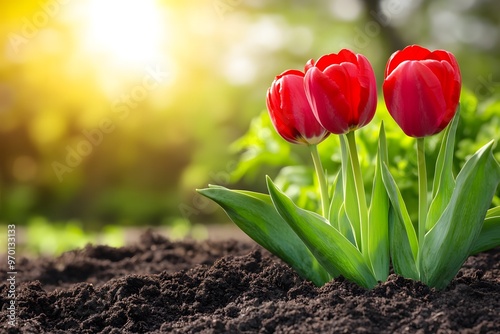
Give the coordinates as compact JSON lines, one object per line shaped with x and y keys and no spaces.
{"x":128,"y":32}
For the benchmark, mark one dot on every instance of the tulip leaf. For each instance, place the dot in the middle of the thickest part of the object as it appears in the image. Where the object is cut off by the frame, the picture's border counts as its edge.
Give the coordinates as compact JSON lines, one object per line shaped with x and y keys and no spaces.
{"x":350,"y":192}
{"x":255,"y":214}
{"x":337,"y":199}
{"x":345,"y":226}
{"x":444,"y":182}
{"x":338,"y":217}
{"x":490,"y":233}
{"x":403,"y":259}
{"x":399,"y":207}
{"x":328,"y":245}
{"x":493,"y":212}
{"x":448,"y":244}
{"x":378,"y":228}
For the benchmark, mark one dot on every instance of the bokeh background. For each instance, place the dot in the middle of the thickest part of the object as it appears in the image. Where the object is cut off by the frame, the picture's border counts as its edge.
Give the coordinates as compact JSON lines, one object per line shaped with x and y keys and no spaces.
{"x":113,"y":112}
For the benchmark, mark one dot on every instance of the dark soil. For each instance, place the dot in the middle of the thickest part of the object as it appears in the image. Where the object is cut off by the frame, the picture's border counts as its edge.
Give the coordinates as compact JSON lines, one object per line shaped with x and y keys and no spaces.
{"x":234,"y":287}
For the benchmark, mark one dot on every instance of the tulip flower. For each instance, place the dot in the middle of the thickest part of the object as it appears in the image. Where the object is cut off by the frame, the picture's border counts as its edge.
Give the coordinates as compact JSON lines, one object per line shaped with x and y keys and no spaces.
{"x":422,"y":89}
{"x":290,"y":111}
{"x":342,"y":91}
{"x":294,"y":120}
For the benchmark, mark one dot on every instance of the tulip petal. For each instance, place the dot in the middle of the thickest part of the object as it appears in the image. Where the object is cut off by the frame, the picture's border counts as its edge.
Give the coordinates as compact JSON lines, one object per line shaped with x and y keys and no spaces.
{"x":328,"y":102}
{"x":290,"y":111}
{"x":288,"y":73}
{"x":452,"y":88}
{"x":309,"y":65}
{"x":346,"y":76}
{"x":412,"y":52}
{"x":301,"y":112}
{"x":415,"y":99}
{"x":445,"y":74}
{"x":450,"y":58}
{"x":368,"y":94}
{"x":281,"y":120}
{"x":331,"y":59}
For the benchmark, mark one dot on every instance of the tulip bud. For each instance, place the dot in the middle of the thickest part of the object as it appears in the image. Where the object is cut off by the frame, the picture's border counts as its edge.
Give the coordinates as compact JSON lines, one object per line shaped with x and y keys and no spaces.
{"x":342,"y":91}
{"x":290,"y":111}
{"x":422,"y":89}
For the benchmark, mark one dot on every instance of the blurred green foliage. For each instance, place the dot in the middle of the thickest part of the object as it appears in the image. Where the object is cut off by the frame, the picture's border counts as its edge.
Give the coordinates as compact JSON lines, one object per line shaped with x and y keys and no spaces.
{"x":56,"y":91}
{"x":53,"y":238}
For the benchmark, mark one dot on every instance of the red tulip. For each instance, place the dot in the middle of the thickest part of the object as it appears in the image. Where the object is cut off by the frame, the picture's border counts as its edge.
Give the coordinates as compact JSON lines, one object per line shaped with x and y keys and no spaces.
{"x":422,"y":89}
{"x":290,"y":111}
{"x":342,"y":91}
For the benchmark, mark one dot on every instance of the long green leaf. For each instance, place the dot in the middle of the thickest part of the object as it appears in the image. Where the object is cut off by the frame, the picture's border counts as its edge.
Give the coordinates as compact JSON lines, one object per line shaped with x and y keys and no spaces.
{"x":400,"y":210}
{"x":345,"y":226}
{"x":493,"y":212}
{"x":378,"y":220}
{"x":327,"y":244}
{"x":489,"y":237}
{"x":447,"y":245}
{"x":490,"y":233}
{"x":255,"y":214}
{"x":337,"y":199}
{"x":403,"y":259}
{"x":350,"y":193}
{"x":444,"y":182}
{"x":337,"y":215}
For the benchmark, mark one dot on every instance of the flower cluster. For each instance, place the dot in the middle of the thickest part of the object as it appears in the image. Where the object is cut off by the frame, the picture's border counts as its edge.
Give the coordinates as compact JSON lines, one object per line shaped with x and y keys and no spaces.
{"x":421,"y":90}
{"x":337,"y":94}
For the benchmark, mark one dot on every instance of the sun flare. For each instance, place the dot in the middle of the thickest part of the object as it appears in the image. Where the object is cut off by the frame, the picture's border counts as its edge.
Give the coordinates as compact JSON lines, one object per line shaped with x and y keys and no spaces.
{"x":127,"y":33}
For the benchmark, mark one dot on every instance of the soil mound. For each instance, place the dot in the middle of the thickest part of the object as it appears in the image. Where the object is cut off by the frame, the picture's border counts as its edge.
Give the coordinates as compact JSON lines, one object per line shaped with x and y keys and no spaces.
{"x":160,"y":286}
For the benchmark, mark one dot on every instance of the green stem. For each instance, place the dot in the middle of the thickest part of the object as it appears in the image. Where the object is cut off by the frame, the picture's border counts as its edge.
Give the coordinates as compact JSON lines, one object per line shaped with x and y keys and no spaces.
{"x":323,"y":187}
{"x":360,"y":187}
{"x":422,"y":193}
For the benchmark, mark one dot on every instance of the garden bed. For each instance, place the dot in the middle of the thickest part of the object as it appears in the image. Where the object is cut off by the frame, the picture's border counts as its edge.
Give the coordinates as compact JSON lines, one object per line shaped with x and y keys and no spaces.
{"x":234,"y":287}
